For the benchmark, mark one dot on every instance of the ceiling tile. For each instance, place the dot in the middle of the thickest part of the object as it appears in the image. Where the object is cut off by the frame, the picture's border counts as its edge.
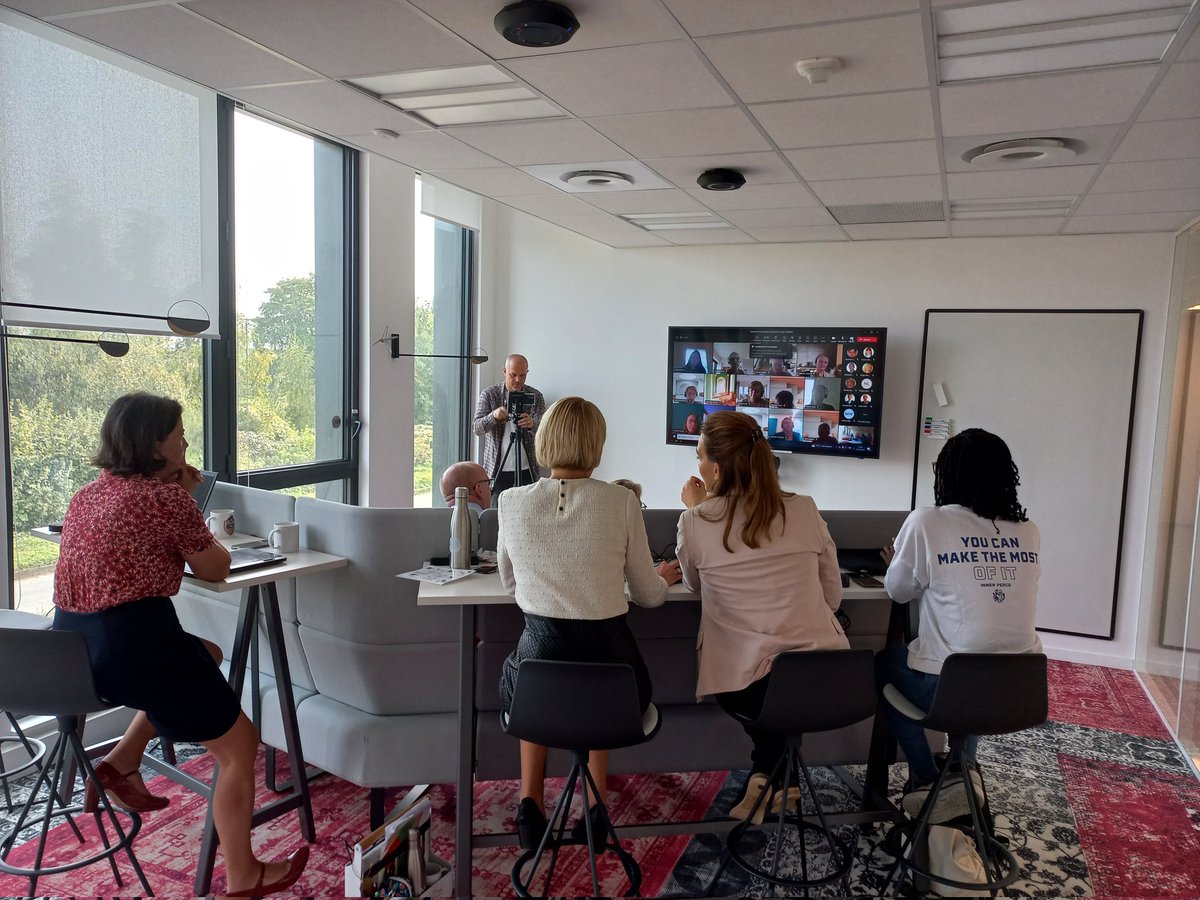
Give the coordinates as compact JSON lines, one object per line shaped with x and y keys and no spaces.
{"x":642,"y":78}
{"x":1172,"y":139}
{"x":1029,"y":183}
{"x":602,"y":23}
{"x":551,"y":205}
{"x":1177,"y":95}
{"x":1130,"y":223}
{"x":871,"y":118}
{"x":877,"y":55}
{"x":1023,"y":105}
{"x":1091,"y":144}
{"x":1191,"y":50}
{"x":424,"y":150}
{"x":897,"y":231}
{"x":344,"y":39}
{"x":756,"y":196}
{"x":701,"y":236}
{"x":597,"y":224}
{"x":644,"y":201}
{"x":903,"y":189}
{"x":535,"y":143}
{"x":329,"y":107}
{"x":797,"y":235}
{"x":634,"y":239}
{"x":787,"y":217}
{"x":688,"y":132}
{"x":168,"y":37}
{"x":866,"y":160}
{"x":499,"y":181}
{"x":759,"y":168}
{"x":1140,"y":202}
{"x":46,"y":8}
{"x":702,"y":17}
{"x":1006,"y":227}
{"x":1148,"y":176}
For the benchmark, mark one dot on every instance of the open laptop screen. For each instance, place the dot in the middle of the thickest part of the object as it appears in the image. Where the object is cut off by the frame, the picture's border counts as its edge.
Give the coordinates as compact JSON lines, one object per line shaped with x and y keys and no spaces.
{"x":203,"y":492}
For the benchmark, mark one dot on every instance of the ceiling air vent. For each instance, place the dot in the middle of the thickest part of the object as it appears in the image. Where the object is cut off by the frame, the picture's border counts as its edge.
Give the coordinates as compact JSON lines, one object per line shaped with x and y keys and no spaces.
{"x":886,"y":213}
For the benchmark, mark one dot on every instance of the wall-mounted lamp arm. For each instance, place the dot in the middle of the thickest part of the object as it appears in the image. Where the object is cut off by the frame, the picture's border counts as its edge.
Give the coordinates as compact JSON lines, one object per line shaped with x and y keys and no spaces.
{"x":476,"y":356}
{"x":112,"y":348}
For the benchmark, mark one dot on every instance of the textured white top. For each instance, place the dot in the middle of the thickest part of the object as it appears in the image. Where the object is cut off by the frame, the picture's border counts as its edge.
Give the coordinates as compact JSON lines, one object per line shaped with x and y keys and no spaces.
{"x":976,"y":581}
{"x":567,"y":549}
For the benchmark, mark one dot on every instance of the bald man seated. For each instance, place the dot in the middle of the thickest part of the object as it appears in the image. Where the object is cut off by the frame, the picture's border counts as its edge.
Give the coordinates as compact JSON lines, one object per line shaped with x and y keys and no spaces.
{"x":473,"y":477}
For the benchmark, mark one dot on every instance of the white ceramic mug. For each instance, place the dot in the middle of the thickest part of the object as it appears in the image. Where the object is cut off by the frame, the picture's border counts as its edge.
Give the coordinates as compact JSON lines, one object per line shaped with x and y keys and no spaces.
{"x":220,"y":522}
{"x":285,"y":537}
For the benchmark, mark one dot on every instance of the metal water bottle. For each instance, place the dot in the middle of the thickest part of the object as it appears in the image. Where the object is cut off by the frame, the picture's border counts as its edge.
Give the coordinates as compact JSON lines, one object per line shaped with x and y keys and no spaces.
{"x":460,"y":531}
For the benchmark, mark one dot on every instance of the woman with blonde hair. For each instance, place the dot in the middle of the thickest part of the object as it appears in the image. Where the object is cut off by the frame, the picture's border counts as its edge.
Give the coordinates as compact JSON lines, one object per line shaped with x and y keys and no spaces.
{"x":768,"y":577}
{"x":568,"y":546}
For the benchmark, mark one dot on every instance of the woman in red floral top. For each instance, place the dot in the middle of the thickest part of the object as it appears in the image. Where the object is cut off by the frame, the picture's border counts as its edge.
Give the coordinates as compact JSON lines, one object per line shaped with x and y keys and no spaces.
{"x":125,"y":539}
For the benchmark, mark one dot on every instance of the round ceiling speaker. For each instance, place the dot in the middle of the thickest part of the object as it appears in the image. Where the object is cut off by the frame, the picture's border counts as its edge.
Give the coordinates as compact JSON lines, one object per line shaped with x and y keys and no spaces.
{"x":1023,"y":151}
{"x":594,"y":178}
{"x":721,"y":180}
{"x":536,"y":23}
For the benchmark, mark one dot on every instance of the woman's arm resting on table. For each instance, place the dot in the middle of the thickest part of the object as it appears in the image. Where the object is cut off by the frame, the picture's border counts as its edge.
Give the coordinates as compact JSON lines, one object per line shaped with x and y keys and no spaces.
{"x":211,"y":564}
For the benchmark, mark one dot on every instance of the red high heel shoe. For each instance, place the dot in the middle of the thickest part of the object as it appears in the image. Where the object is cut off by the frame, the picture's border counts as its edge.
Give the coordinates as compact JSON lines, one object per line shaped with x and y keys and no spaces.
{"x":121,"y":791}
{"x":296,"y":863}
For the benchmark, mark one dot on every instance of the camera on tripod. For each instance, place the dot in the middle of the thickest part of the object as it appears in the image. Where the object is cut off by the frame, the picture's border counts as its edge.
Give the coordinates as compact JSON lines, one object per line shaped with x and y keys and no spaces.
{"x":519,"y":403}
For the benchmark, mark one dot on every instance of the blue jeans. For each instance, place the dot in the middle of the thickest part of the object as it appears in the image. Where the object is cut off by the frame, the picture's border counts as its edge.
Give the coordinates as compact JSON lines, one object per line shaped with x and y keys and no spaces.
{"x":891,"y":667}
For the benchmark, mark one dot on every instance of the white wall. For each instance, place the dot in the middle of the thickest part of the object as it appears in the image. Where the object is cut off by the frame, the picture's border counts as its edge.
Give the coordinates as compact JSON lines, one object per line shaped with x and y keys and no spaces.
{"x":593,"y":321}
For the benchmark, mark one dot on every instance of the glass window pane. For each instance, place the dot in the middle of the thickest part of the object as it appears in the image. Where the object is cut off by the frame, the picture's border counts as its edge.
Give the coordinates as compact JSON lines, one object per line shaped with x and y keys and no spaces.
{"x":290,"y":300}
{"x":440,"y":317}
{"x":58,"y":395}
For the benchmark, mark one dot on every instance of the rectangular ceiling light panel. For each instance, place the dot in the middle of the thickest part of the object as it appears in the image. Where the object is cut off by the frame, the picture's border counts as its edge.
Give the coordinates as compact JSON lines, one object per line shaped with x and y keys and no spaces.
{"x":1020,"y":38}
{"x":675,"y":221}
{"x":464,"y":95}
{"x":884,"y":213}
{"x":1011,"y":208}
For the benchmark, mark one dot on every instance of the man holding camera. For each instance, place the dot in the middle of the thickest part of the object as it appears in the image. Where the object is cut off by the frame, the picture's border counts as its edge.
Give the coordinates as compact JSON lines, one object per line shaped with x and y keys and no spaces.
{"x":507,"y":416}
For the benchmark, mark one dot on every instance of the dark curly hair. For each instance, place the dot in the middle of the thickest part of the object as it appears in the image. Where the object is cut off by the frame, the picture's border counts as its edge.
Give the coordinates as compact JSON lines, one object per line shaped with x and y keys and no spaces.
{"x":133,"y":427}
{"x":976,"y":470}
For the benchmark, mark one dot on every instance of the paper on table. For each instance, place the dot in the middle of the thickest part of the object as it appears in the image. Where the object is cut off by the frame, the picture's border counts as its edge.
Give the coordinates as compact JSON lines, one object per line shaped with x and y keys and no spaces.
{"x":436,"y":574}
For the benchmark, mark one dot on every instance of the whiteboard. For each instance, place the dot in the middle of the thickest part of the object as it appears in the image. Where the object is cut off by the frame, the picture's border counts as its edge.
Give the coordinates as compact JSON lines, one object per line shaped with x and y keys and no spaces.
{"x":1058,"y":387}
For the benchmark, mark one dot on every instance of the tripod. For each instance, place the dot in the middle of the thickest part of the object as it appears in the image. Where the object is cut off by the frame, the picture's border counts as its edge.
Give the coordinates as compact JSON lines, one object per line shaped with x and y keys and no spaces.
{"x":519,"y":469}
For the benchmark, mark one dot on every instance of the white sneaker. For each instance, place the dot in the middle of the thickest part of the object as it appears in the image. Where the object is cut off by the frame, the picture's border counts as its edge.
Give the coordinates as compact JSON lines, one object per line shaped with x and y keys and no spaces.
{"x":951,"y":801}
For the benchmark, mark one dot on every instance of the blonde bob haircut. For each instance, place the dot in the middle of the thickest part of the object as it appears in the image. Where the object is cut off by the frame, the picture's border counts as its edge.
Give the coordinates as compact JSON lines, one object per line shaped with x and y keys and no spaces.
{"x":571,"y":435}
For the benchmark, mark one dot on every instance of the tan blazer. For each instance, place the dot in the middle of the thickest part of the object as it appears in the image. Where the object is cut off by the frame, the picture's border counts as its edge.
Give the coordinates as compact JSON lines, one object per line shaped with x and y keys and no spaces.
{"x":758,"y":603}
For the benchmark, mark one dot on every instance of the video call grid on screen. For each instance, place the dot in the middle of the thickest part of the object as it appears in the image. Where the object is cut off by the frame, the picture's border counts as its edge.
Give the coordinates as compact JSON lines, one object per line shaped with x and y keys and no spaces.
{"x":812,"y":390}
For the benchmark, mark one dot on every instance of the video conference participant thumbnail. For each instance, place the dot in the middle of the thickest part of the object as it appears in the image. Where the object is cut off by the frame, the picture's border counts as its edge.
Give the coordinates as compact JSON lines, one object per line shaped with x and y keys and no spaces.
{"x":784,"y":430}
{"x":688,"y":388}
{"x":821,"y":393}
{"x":812,"y":422}
{"x":722,"y":389}
{"x":686,"y":419}
{"x":752,"y":393}
{"x":818,"y":360}
{"x":731,"y":358}
{"x":857,"y":435}
{"x":692,"y":356}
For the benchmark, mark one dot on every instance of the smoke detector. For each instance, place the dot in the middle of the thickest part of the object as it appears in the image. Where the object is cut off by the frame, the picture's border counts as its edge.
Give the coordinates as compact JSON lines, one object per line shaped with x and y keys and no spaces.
{"x":1023,"y":151}
{"x":596,"y":179}
{"x":536,"y":23}
{"x":721,"y":180}
{"x":818,"y":69}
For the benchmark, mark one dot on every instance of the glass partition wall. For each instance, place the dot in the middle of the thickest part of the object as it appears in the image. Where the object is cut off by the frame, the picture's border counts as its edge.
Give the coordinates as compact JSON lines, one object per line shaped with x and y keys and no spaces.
{"x":1169,"y":638}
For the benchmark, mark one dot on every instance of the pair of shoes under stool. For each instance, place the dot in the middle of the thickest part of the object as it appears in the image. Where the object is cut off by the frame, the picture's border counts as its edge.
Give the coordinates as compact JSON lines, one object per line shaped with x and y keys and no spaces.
{"x":756,"y":784}
{"x":599,"y":834}
{"x":531,"y":824}
{"x":951,"y":801}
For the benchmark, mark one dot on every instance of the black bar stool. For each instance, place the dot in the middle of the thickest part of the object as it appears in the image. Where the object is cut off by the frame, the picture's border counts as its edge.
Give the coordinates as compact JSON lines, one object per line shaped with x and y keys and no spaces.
{"x":809,"y":691}
{"x":579,"y":707}
{"x":977,"y":694}
{"x":34,"y":749}
{"x":47,"y":673}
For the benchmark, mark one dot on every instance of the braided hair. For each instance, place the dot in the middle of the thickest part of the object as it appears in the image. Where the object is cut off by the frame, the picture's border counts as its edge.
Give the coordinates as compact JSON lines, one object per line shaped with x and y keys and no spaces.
{"x":976,"y":470}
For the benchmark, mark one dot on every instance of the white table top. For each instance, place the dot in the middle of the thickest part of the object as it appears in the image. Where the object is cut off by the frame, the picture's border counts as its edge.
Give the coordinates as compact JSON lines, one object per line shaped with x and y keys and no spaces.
{"x":302,"y":562}
{"x":480,"y":590}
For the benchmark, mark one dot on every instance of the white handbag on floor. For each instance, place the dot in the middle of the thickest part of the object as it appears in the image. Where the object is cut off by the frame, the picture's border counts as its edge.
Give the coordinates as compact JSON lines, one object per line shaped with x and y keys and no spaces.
{"x":952,"y":855}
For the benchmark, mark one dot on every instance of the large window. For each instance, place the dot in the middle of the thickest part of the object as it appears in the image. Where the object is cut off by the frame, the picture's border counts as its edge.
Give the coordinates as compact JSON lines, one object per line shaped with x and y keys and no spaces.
{"x":294,"y":410}
{"x":444,"y":260}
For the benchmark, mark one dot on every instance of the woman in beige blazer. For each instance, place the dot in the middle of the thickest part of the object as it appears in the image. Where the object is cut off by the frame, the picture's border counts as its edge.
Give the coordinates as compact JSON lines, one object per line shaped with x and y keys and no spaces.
{"x":767,"y":573}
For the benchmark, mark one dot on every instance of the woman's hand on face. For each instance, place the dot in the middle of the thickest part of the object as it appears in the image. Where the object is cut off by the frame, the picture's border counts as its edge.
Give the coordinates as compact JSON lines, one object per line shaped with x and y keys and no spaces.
{"x":187,"y":477}
{"x":669,"y":570}
{"x":693,"y":492}
{"x":888,"y":552}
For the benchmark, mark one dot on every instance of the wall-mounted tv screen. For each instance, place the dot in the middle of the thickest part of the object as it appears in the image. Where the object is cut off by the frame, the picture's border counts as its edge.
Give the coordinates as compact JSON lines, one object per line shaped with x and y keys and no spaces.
{"x":813,"y":390}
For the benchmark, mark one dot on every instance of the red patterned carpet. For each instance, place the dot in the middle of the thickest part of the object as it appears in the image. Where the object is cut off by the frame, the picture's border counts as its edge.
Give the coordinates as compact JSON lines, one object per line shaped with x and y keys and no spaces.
{"x":168,"y":845}
{"x":1097,"y":697}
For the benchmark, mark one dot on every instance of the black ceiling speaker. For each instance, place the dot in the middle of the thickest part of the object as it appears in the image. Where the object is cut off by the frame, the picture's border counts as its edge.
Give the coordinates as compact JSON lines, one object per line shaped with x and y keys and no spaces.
{"x":721,"y":180}
{"x":536,"y":23}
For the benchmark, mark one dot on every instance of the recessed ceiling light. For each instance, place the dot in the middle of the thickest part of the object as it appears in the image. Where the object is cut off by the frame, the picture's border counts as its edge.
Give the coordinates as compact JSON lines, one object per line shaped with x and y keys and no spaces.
{"x":1023,"y":151}
{"x":594,"y":178}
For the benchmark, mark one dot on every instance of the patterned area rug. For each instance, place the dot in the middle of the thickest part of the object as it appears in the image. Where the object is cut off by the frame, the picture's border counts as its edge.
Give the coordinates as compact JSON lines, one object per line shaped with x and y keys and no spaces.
{"x":168,"y":844}
{"x":1096,"y":802}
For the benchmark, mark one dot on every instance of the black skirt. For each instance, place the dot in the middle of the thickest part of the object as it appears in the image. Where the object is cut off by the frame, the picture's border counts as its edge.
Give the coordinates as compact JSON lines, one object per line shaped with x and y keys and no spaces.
{"x":576,"y":640}
{"x":142,"y":658}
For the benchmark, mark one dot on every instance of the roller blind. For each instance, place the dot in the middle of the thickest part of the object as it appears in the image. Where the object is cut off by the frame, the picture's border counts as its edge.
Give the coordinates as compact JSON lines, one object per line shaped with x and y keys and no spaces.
{"x":449,"y":203}
{"x":108,"y":187}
